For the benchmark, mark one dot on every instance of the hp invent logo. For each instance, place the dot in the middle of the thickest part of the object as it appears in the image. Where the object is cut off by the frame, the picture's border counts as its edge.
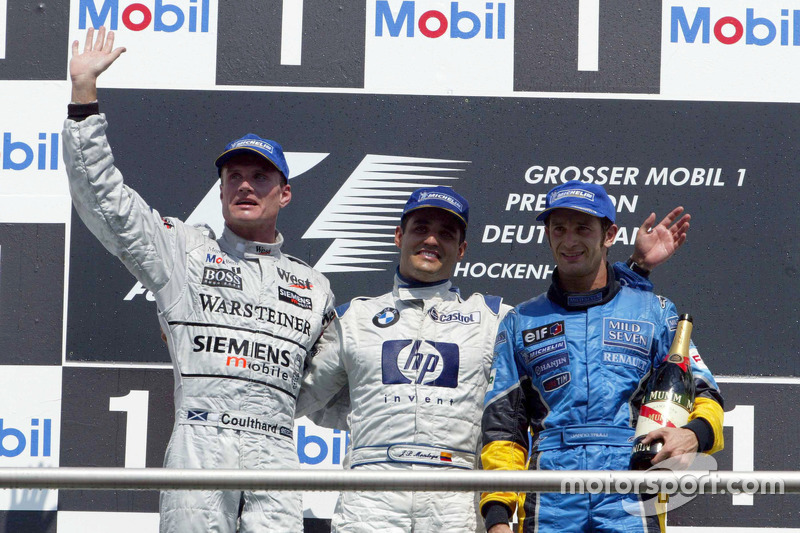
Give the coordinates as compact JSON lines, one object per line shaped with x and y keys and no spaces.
{"x":423,"y":362}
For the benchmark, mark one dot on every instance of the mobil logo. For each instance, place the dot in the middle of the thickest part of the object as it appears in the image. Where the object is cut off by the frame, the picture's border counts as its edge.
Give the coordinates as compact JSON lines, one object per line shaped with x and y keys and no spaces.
{"x":780,"y":26}
{"x":457,"y":23}
{"x":319,"y":445}
{"x":187,"y":15}
{"x":42,"y":154}
{"x":32,"y":441}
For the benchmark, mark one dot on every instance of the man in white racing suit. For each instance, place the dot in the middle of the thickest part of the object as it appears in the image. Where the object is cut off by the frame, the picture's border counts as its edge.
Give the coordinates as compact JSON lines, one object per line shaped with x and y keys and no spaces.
{"x":240,"y":316}
{"x":414,"y":364}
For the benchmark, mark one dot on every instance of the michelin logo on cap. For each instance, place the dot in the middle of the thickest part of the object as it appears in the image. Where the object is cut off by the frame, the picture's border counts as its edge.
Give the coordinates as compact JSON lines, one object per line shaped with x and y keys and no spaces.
{"x":577,"y":193}
{"x":441,"y":196}
{"x":253,"y":142}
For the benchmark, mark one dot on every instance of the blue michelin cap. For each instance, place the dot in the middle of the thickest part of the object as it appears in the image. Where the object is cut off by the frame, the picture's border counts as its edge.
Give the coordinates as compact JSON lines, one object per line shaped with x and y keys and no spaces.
{"x":253,"y":144}
{"x":440,"y":198}
{"x":586,"y":197}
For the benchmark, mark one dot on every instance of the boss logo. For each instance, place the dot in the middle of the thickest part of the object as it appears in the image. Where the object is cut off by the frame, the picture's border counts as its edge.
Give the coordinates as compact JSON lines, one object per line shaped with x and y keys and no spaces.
{"x":218,"y":277}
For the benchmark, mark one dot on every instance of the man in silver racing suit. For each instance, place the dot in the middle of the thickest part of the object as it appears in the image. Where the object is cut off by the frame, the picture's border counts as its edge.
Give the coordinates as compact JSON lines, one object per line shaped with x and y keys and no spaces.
{"x":240,"y":316}
{"x":408,"y":369}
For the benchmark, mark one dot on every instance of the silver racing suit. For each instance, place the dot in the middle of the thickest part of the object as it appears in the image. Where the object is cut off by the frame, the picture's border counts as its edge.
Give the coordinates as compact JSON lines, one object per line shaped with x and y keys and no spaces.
{"x":417,"y":361}
{"x":240,"y":318}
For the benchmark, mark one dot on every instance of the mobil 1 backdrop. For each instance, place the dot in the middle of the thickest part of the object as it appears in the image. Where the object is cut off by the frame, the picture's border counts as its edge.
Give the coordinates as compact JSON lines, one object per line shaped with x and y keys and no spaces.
{"x":356,"y":157}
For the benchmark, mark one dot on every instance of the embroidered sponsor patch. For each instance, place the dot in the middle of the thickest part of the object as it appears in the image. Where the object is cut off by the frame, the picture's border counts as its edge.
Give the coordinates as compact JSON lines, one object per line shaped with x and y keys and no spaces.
{"x":537,"y":335}
{"x":672,"y":323}
{"x":386,"y":317}
{"x":456,"y":316}
{"x":217,"y":257}
{"x":633,"y":334}
{"x":501,"y":338}
{"x":291,"y":297}
{"x":584,"y":299}
{"x":422,"y":362}
{"x":556,"y":382}
{"x":574,"y":193}
{"x":536,"y":353}
{"x":197,"y":415}
{"x":625,"y":359}
{"x":220,"y":277}
{"x":694,"y":355}
{"x":553,"y":362}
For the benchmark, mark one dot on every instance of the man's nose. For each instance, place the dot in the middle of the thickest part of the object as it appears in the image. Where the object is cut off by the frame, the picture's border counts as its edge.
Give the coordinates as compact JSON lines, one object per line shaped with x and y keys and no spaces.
{"x":431,"y":239}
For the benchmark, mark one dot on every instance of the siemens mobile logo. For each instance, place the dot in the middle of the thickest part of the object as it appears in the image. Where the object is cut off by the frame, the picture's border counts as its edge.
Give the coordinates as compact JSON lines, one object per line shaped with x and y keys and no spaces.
{"x":191,"y":16}
{"x":43,"y":154}
{"x":756,"y":30}
{"x":458,"y":23}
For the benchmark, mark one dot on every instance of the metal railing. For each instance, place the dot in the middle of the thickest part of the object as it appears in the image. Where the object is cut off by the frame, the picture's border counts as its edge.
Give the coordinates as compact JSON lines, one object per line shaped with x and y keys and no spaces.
{"x":574,"y":481}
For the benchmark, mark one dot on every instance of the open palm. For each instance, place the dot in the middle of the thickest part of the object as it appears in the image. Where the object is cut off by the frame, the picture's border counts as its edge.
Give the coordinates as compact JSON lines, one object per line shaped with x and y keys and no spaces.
{"x":86,"y":66}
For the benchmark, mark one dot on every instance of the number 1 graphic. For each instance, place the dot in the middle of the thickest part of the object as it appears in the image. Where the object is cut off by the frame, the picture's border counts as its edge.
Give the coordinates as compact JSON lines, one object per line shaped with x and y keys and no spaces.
{"x":3,"y":27}
{"x":291,"y":32}
{"x":135,"y":405}
{"x":588,"y":35}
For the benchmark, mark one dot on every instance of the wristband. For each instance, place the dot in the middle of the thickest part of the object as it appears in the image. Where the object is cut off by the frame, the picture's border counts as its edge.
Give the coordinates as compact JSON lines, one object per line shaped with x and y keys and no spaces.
{"x":638,"y":269}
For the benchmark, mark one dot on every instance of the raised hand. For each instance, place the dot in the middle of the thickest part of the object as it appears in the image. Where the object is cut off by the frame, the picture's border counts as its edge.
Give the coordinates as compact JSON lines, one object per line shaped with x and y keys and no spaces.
{"x":655,"y":244}
{"x":86,"y":66}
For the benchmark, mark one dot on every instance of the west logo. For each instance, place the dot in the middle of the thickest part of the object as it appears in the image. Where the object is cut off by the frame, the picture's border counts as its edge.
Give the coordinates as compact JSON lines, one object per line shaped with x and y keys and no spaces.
{"x":423,"y":362}
{"x":296,"y":282}
{"x":191,"y":16}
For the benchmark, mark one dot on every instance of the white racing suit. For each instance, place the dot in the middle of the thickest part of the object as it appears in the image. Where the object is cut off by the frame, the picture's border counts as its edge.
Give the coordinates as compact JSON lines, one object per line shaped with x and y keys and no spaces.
{"x":417,"y":361}
{"x":240,"y":318}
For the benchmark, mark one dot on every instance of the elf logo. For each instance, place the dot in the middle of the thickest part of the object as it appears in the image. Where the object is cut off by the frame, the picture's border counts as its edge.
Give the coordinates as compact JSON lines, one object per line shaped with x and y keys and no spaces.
{"x":755,"y":30}
{"x":458,"y":23}
{"x":35,"y":441}
{"x":548,"y":331}
{"x":191,"y":16}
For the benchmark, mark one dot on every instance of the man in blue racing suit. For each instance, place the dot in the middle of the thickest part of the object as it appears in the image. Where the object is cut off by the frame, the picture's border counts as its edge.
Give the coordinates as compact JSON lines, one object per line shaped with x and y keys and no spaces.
{"x":570,"y":367}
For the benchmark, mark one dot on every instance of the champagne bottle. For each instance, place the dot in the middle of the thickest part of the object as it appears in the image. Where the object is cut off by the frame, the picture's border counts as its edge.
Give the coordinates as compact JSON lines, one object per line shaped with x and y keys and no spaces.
{"x":668,"y":398}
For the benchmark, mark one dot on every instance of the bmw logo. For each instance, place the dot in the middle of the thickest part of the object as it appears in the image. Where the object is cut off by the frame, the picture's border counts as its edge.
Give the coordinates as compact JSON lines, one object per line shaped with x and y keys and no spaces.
{"x":386,"y":318}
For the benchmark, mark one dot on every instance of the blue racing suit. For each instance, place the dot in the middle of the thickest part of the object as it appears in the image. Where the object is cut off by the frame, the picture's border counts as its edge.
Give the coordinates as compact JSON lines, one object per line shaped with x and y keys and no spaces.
{"x":570,"y":369}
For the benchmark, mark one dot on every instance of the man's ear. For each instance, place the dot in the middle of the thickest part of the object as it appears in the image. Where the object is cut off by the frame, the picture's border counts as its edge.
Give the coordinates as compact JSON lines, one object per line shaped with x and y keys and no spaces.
{"x":611,"y":233}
